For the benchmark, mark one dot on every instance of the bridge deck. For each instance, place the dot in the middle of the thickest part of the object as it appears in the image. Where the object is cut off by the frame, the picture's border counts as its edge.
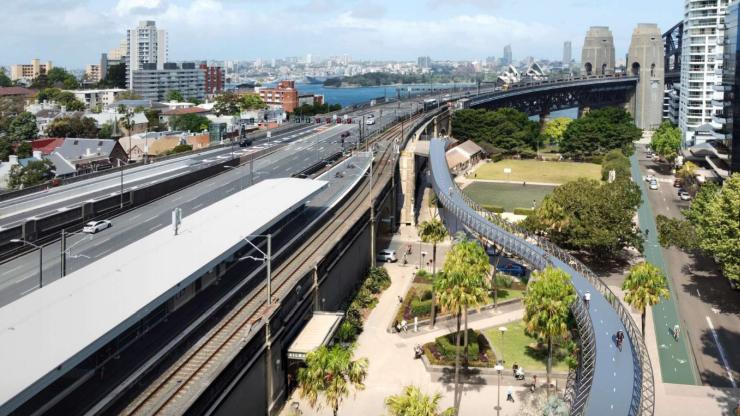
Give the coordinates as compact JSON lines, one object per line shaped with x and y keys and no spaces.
{"x":616,"y":377}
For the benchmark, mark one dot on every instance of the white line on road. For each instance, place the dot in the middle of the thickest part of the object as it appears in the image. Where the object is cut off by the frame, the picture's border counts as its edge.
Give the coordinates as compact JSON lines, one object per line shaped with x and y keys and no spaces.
{"x":135,"y":217}
{"x":11,"y":270}
{"x":152,"y":218}
{"x":24,"y":293}
{"x":154,"y":227}
{"x":197,"y":206}
{"x":177,"y":199}
{"x":102,"y":253}
{"x":230,"y":190}
{"x":721,"y":353}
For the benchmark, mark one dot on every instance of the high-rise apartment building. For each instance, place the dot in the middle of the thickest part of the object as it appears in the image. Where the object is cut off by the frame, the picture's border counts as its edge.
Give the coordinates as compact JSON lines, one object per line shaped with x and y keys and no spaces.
{"x":424,"y":62}
{"x":508,"y":58}
{"x":567,"y":53}
{"x":701,"y":66}
{"x":153,"y":84}
{"x":284,"y":96}
{"x":214,"y":78}
{"x":29,"y":72}
{"x":724,"y":157}
{"x":145,"y":45}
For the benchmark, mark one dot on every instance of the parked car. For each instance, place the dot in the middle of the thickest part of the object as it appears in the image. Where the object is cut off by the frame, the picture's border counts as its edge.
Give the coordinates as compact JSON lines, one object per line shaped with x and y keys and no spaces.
{"x":345,"y":134}
{"x":677,"y":183}
{"x":512,"y":268}
{"x":654,"y":185}
{"x":649,"y":155}
{"x":93,"y":227}
{"x":685,"y":196}
{"x":650,"y":178}
{"x":388,"y":256}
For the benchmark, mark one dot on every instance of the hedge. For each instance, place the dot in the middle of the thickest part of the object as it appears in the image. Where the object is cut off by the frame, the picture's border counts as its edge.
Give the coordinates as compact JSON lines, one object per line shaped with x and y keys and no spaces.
{"x":493,"y":208}
{"x":523,"y":211}
{"x":446,"y":344}
{"x":421,"y":307}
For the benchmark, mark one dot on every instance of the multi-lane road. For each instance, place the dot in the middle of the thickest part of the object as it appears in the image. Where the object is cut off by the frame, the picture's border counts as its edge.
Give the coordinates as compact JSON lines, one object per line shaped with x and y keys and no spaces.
{"x":305,"y":147}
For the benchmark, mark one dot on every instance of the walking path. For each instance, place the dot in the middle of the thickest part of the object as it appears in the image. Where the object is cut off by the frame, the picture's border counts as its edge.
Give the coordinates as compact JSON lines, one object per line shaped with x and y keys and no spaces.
{"x":676,"y":361}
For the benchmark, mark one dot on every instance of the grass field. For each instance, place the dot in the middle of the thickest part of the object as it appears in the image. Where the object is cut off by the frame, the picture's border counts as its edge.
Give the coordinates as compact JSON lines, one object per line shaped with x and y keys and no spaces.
{"x":507,"y":195}
{"x":519,"y":348}
{"x":538,"y":171}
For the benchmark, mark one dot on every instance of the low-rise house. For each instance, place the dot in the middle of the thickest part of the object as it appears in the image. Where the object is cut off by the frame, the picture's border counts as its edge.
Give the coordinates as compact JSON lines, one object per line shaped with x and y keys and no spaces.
{"x":76,"y":156}
{"x":464,"y":156}
{"x":13,"y":160}
{"x":156,"y":144}
{"x":167,"y":115}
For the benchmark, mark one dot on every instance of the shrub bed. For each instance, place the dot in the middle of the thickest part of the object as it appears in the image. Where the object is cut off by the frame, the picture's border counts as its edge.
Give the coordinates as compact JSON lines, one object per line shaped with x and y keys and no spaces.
{"x":364,"y":299}
{"x":442,"y":351}
{"x":523,"y":211}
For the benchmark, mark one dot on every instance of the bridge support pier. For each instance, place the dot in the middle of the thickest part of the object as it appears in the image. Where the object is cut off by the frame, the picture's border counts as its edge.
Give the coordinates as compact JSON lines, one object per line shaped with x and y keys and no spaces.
{"x":407,"y":171}
{"x":544,"y":119}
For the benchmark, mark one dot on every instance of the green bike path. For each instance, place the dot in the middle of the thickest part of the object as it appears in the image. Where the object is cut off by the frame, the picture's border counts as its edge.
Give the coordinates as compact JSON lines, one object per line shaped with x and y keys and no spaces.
{"x":676,"y":359}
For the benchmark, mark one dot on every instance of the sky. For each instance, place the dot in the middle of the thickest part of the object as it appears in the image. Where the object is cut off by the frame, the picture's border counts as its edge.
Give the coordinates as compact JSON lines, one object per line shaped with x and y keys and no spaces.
{"x":72,"y":33}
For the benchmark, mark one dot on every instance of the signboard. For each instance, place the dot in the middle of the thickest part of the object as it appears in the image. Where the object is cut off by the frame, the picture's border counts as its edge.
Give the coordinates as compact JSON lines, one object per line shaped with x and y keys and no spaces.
{"x":507,"y":170}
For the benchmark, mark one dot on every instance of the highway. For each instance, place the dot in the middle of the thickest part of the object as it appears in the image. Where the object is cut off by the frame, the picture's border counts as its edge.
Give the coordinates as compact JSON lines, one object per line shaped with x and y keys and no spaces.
{"x":20,"y":276}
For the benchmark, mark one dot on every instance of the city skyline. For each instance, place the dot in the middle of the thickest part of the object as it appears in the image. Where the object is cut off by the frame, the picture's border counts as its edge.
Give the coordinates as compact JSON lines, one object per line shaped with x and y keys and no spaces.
{"x":73,"y":33}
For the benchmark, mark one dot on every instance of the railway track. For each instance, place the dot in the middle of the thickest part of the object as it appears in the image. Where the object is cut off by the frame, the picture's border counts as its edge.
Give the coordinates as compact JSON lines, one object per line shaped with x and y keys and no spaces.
{"x":169,"y":394}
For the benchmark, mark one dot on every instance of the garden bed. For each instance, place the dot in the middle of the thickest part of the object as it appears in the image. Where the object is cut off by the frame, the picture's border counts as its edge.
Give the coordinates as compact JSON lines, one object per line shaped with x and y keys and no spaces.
{"x":442,"y":351}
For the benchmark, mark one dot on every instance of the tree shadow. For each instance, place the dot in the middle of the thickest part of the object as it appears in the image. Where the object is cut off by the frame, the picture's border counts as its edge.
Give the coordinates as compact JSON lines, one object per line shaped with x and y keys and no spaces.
{"x":606,"y":266}
{"x":728,"y":341}
{"x":706,"y":282}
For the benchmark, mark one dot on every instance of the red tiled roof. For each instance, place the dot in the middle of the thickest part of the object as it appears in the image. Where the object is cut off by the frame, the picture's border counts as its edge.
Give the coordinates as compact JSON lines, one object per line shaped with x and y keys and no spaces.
{"x":183,"y":111}
{"x":8,"y":91}
{"x":47,"y":145}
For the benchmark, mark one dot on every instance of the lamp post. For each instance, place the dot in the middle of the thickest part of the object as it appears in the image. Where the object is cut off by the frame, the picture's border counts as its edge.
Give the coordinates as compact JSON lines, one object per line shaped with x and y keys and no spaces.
{"x":120,"y":168}
{"x":503,"y":330}
{"x":499,"y":368}
{"x":64,"y":250}
{"x":41,"y":257}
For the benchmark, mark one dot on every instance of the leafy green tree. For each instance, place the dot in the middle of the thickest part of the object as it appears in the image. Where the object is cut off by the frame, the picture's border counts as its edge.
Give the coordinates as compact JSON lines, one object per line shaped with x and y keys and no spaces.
{"x":412,"y":402}
{"x":60,"y":77}
{"x":587,"y":215}
{"x":115,"y":78}
{"x":251,"y":102}
{"x":715,"y":215}
{"x":34,"y":173}
{"x":174,"y":95}
{"x":24,"y":150}
{"x":5,"y":80}
{"x":547,"y":307}
{"x":687,"y":172}
{"x":190,"y":122}
{"x":152,"y":117}
{"x":433,"y":231}
{"x":555,"y":128}
{"x":307,"y":110}
{"x":23,"y":127}
{"x":76,"y":126}
{"x":180,"y":148}
{"x":65,"y":98}
{"x":666,"y":141}
{"x":227,"y":103}
{"x":676,"y":232}
{"x":600,"y":131}
{"x":106,"y":131}
{"x":6,"y":149}
{"x":617,"y":161}
{"x":505,"y":128}
{"x":128,"y":95}
{"x":462,"y":285}
{"x":644,"y":286}
{"x":330,"y":373}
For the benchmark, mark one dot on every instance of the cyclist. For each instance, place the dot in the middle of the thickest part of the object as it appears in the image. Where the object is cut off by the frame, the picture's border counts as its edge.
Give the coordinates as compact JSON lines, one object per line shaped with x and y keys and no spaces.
{"x":620,"y":339}
{"x":587,"y":298}
{"x":676,"y":332}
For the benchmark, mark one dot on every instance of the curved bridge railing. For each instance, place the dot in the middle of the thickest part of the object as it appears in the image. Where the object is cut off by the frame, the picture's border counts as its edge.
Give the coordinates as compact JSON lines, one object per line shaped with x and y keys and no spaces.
{"x":597,"y":385}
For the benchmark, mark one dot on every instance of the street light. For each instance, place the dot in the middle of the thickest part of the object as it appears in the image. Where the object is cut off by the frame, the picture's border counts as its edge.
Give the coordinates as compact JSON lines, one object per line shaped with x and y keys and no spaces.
{"x":120,"y":167}
{"x":503,"y":330}
{"x":499,"y":368}
{"x":65,"y":250}
{"x":41,"y":257}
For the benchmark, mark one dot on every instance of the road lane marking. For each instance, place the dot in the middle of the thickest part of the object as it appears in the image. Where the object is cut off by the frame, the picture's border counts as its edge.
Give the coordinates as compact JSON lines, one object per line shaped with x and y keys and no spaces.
{"x":152,"y":218}
{"x":177,"y":199}
{"x":135,"y":216}
{"x":102,"y":253}
{"x":721,"y":353}
{"x":11,"y":270}
{"x":154,"y":227}
{"x":197,"y":206}
{"x":24,"y":293}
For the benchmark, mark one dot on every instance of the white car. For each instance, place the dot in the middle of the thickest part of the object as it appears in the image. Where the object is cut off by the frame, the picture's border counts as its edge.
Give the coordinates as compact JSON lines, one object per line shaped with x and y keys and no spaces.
{"x":388,"y":256}
{"x":650,"y":178}
{"x":685,"y":196}
{"x":370,"y":121}
{"x":93,"y":227}
{"x":654,"y":185}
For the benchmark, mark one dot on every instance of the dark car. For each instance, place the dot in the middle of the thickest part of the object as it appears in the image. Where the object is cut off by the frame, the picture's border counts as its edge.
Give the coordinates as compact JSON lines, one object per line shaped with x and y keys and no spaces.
{"x":245,"y":142}
{"x":346,"y":134}
{"x":512,"y":268}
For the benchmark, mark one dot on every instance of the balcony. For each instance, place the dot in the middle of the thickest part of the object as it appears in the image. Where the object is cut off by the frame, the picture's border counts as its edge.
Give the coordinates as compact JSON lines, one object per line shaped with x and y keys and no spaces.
{"x":719,"y":119}
{"x":721,"y":88}
{"x":718,"y":166}
{"x":718,"y":71}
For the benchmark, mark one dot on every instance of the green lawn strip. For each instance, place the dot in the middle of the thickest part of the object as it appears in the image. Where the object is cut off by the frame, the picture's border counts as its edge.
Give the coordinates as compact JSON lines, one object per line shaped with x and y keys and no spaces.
{"x":538,"y":171}
{"x":412,"y":297}
{"x":507,"y":195}
{"x":518,"y":347}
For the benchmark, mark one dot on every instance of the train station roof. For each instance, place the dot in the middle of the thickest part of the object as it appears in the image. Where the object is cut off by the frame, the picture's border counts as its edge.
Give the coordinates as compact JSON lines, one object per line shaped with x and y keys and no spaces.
{"x":49,"y":331}
{"x":317,"y":333}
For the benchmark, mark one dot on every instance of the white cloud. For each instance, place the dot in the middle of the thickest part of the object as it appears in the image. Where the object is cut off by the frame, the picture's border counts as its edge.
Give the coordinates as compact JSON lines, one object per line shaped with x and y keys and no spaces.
{"x":129,"y":7}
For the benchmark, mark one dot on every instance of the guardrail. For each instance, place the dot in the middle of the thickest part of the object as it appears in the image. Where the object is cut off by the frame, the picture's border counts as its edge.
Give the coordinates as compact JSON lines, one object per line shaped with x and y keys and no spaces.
{"x":539,"y":252}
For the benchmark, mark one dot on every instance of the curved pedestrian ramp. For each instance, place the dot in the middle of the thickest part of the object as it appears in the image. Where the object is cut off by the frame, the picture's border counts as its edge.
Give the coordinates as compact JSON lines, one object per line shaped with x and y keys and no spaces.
{"x":607,"y":381}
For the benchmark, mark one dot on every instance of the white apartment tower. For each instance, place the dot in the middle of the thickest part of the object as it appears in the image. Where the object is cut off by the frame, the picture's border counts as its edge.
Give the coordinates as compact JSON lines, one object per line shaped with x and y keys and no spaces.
{"x":145,"y":45}
{"x":701,"y":68}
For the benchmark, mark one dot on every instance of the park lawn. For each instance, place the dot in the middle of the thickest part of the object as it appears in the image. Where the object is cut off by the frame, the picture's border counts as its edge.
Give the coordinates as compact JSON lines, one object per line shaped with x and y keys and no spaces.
{"x":538,"y":171}
{"x":507,"y":195}
{"x":517,"y":348}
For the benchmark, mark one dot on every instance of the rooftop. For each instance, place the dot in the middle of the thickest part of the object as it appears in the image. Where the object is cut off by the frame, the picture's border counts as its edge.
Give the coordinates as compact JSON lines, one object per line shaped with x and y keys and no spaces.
{"x":50,"y":330}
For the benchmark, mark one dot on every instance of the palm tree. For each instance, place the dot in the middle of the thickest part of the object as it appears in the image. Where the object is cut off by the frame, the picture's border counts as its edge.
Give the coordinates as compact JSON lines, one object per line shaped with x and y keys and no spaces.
{"x":462,"y":285}
{"x":330,"y":372}
{"x":433,"y":231}
{"x":552,"y":215}
{"x":644,"y":286}
{"x":415,"y":403}
{"x":546,"y":307}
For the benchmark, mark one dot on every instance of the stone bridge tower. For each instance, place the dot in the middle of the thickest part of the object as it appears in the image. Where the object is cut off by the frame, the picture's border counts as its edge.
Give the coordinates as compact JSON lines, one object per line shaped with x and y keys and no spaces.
{"x":646,"y":60}
{"x":597,"y":57}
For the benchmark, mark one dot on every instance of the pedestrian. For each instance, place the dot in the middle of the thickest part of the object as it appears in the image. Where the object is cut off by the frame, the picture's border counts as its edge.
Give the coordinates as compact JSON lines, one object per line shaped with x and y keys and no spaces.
{"x":676,"y":332}
{"x":400,"y":300}
{"x":534,"y":381}
{"x":510,"y":395}
{"x":647,"y":233}
{"x":397,"y":326}
{"x":737,"y":409}
{"x":587,"y":298}
{"x":404,"y":325}
{"x":524,"y":183}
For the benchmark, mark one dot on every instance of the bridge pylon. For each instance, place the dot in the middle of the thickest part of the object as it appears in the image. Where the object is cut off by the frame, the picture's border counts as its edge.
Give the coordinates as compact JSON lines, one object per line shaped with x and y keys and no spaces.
{"x":646,"y":60}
